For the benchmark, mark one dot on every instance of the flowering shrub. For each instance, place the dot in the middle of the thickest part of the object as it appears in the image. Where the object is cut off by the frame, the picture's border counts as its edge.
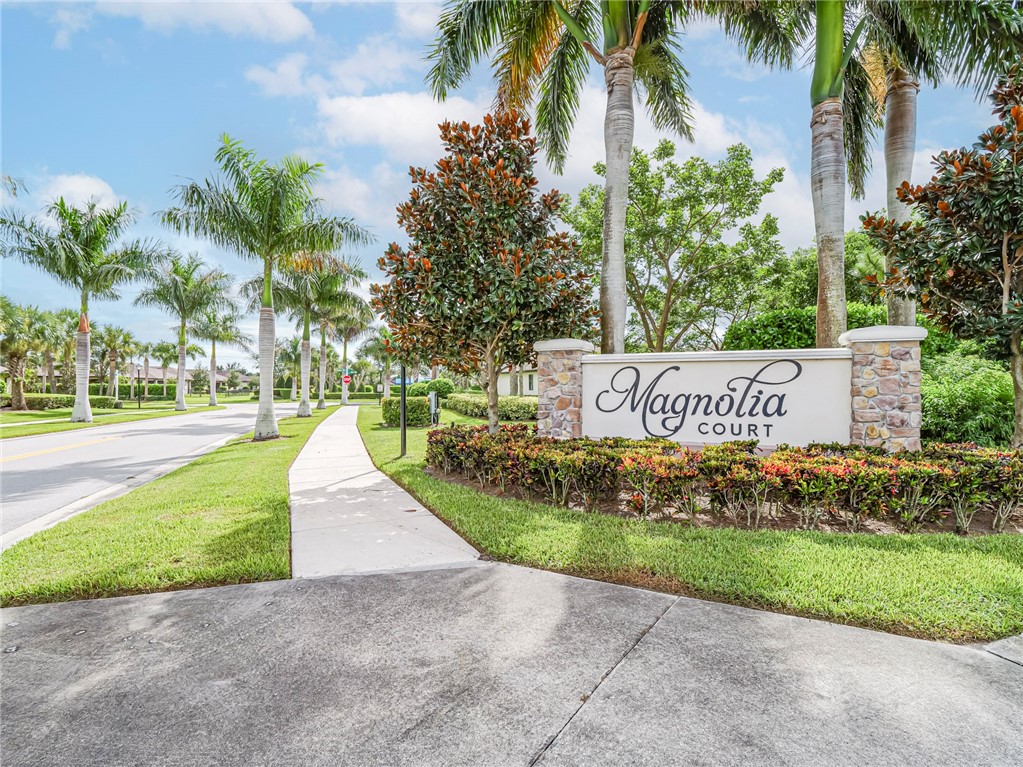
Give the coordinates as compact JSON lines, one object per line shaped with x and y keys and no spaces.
{"x":731,"y":482}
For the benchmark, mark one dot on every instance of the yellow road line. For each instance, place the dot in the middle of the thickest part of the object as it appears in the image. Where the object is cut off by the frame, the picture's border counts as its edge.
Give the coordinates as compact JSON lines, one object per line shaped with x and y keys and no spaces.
{"x":8,"y":458}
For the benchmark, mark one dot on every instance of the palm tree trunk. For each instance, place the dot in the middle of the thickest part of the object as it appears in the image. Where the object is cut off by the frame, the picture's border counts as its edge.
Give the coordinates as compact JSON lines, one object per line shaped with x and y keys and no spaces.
{"x":67,"y":383}
{"x":344,"y":365}
{"x":179,"y":403}
{"x":827,"y":186}
{"x":16,"y":373}
{"x":619,"y":128}
{"x":131,"y":380}
{"x":305,"y":362}
{"x":165,"y":381}
{"x":145,"y":384}
{"x":266,"y":420}
{"x":213,"y":373}
{"x":899,"y":148}
{"x":115,"y":379}
{"x":51,"y":373}
{"x":82,"y":411}
{"x":321,"y":404}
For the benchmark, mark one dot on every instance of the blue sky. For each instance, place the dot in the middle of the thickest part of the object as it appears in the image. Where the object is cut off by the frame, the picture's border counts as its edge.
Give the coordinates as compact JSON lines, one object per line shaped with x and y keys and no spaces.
{"x":123,"y":100}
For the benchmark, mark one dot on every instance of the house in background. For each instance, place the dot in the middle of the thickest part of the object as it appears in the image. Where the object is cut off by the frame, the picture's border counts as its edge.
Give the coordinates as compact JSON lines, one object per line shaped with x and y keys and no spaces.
{"x":527,"y":382}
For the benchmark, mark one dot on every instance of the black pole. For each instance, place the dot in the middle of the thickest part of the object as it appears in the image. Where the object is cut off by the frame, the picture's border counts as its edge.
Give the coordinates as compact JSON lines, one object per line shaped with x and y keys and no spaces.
{"x":402,"y":410}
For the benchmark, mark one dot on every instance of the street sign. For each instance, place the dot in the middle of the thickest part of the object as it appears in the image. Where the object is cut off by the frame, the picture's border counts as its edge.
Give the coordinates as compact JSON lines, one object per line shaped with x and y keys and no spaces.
{"x":347,"y":379}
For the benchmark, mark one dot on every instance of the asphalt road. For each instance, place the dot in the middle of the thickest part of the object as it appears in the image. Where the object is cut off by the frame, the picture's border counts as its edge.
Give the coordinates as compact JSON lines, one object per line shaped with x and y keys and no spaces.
{"x":39,"y":475}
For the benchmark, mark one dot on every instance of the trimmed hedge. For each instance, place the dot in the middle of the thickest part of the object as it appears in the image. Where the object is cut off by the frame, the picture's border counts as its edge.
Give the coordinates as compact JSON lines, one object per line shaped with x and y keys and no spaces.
{"x":443,"y":386}
{"x":732,"y":483}
{"x":417,"y":411}
{"x":155,"y":390}
{"x":54,"y":401}
{"x":418,"y":389}
{"x":508,"y":408}
{"x":797,"y":329}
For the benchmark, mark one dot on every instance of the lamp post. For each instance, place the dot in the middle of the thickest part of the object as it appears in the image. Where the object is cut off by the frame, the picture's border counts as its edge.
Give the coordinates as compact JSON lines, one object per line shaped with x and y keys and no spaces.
{"x":401,"y":411}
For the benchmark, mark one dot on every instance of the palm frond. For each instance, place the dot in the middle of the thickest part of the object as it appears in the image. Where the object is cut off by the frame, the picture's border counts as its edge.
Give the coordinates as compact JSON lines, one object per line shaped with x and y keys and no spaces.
{"x":466,"y":31}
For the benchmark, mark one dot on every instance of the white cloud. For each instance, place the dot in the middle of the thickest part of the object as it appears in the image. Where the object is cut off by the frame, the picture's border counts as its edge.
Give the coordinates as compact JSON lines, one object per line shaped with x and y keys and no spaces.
{"x":77,"y":189}
{"x":285,"y":78}
{"x":274,"y":20}
{"x":375,"y":62}
{"x":416,"y":18}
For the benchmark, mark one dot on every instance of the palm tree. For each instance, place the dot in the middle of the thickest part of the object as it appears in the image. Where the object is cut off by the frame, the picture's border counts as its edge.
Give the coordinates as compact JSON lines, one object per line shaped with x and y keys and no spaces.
{"x":20,"y":338}
{"x":67,"y":325}
{"x":51,"y":334}
{"x":266,"y":212}
{"x":349,"y":328}
{"x":113,"y":342}
{"x":145,"y":351}
{"x":83,"y":251}
{"x":166,"y":352}
{"x":290,"y":353}
{"x":377,"y":348}
{"x":184,"y":289}
{"x":542,"y":47}
{"x":220,"y":327}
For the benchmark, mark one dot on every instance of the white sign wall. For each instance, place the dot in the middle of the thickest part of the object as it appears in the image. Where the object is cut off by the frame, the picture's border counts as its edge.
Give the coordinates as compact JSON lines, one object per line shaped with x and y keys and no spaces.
{"x":793,"y":397}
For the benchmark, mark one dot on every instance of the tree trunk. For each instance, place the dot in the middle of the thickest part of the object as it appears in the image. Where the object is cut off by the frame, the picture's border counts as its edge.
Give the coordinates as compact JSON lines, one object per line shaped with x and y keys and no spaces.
{"x":67,"y":381}
{"x":344,"y":364}
{"x":213,"y":373}
{"x":165,"y":381}
{"x":294,"y":387}
{"x":513,"y":381}
{"x":179,"y":403}
{"x":619,"y":128}
{"x":490,"y":384}
{"x":899,"y":148}
{"x":1016,"y":366}
{"x":321,"y":403}
{"x":145,"y":382}
{"x":266,"y":420}
{"x":827,"y":186}
{"x":115,"y":378}
{"x":16,"y":374}
{"x":82,"y":412}
{"x":50,"y":372}
{"x":304,"y":408}
{"x":131,"y":380}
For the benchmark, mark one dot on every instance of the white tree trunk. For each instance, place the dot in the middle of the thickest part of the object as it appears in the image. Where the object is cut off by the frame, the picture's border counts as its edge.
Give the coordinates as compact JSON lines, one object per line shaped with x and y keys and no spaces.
{"x":213,"y":373}
{"x":321,"y":404}
{"x":827,"y":186}
{"x":619,"y":128}
{"x":131,"y":381}
{"x":50,"y":372}
{"x":82,"y":411}
{"x":115,"y":380}
{"x":165,"y":382}
{"x":179,"y":403}
{"x":304,"y":408}
{"x":145,"y":383}
{"x":344,"y":363}
{"x":266,"y":420}
{"x":899,"y":148}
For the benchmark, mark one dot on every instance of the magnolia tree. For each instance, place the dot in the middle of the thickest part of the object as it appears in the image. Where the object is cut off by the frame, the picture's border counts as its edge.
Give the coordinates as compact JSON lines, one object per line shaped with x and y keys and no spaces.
{"x":485,"y":274}
{"x":962,"y":255}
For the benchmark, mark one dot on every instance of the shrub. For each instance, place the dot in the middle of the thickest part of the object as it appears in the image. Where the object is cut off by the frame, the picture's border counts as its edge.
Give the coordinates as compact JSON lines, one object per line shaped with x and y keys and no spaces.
{"x":443,"y":387}
{"x":966,"y":399}
{"x":850,"y":484}
{"x":367,"y":388}
{"x":417,"y":411}
{"x":796,"y":329}
{"x":54,"y":401}
{"x":508,"y":408}
{"x":419,"y":389}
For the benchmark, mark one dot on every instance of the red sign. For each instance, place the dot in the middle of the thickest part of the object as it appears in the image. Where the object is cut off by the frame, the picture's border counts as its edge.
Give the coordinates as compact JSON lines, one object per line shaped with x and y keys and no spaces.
{"x":347,"y":379}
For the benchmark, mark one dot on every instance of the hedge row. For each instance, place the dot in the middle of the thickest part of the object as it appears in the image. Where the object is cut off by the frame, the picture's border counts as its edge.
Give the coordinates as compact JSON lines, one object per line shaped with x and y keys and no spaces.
{"x":734,"y":484}
{"x":124,"y":387}
{"x":797,"y":329}
{"x":417,"y":411}
{"x":54,"y":401}
{"x":508,"y":408}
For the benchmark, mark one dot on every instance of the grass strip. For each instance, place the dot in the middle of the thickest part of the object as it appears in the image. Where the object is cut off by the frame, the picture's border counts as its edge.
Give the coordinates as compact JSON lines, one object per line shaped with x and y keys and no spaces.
{"x":30,"y":429}
{"x":219,"y":520}
{"x":935,"y":586}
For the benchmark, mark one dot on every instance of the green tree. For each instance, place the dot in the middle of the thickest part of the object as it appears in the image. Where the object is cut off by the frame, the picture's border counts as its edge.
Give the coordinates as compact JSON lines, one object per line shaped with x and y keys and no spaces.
{"x":19,"y":340}
{"x":83,"y":250}
{"x":234,"y":380}
{"x":220,"y":325}
{"x":201,"y":381}
{"x":114,"y":342}
{"x":266,"y":212}
{"x":963,"y":252}
{"x":348,"y":327}
{"x":541,"y":52}
{"x":184,"y":288}
{"x":684,"y":281}
{"x":484,"y":275}
{"x":67,"y":323}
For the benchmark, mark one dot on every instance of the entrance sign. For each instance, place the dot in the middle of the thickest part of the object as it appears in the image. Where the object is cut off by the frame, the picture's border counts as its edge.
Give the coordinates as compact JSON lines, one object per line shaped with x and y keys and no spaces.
{"x":792,"y":397}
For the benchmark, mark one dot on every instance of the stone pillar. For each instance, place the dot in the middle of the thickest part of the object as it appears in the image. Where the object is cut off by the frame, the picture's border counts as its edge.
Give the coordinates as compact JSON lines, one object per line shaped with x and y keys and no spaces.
{"x":885,"y":386}
{"x":560,"y":387}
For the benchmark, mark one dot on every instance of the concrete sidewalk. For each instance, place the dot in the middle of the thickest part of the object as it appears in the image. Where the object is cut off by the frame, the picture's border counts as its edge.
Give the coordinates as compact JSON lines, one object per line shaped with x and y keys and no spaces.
{"x":347,"y":517}
{"x":484,"y":666}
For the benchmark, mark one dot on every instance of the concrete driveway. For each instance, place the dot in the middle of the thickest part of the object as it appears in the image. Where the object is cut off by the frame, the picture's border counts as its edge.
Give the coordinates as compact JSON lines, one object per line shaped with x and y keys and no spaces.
{"x":485,"y":665}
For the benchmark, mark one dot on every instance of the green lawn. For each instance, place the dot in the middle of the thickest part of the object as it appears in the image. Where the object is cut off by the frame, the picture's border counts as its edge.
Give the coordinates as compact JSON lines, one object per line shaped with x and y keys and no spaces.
{"x":221,"y":519}
{"x":935,"y":586}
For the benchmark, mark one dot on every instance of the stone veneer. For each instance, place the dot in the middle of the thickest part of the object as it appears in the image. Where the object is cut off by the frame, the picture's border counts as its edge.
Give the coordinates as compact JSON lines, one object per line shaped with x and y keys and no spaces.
{"x":560,"y":387}
{"x":885,"y":391}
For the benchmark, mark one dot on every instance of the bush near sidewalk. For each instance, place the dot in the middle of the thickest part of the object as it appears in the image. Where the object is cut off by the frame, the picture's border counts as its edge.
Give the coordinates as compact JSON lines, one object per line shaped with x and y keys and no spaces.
{"x":943,"y":587}
{"x":222,"y":519}
{"x":509,"y":408}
